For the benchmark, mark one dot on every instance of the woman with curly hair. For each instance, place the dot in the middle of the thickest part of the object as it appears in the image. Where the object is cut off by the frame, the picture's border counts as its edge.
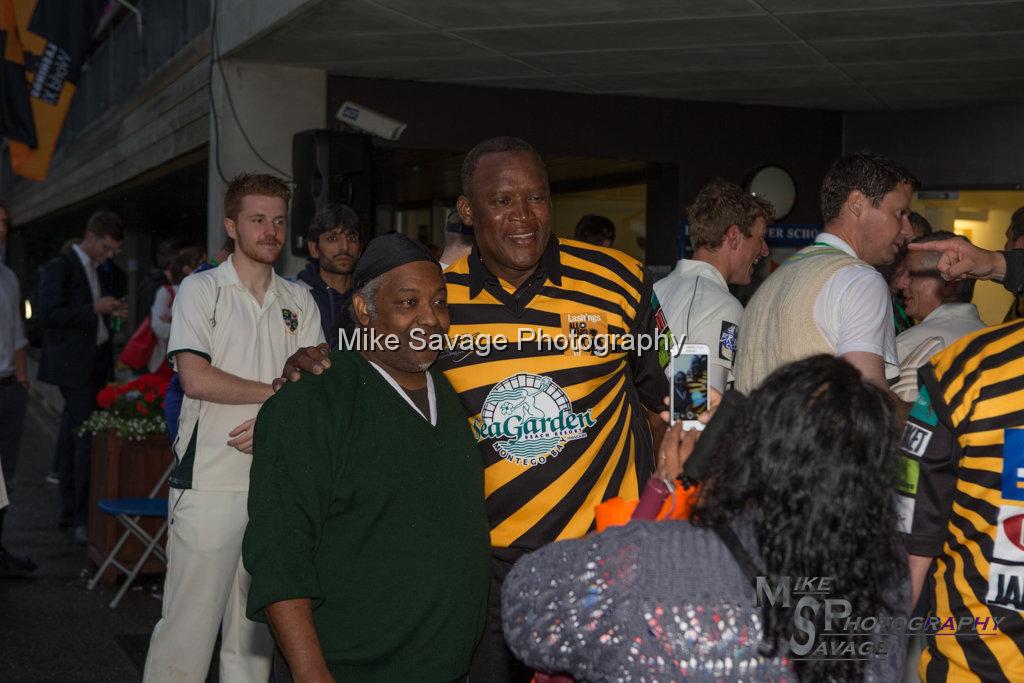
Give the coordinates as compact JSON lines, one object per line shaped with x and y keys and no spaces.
{"x":805,"y":490}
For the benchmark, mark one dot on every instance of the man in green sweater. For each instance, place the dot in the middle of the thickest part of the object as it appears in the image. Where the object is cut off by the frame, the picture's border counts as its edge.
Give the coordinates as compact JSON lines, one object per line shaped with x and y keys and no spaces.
{"x":367,"y":539}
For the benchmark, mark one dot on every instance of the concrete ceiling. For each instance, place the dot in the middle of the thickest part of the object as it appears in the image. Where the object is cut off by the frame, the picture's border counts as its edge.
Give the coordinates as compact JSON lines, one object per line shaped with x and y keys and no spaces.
{"x":834,"y":54}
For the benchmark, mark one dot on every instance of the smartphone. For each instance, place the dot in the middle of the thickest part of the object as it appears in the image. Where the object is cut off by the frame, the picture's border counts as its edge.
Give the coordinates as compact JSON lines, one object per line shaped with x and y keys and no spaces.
{"x":691,"y":386}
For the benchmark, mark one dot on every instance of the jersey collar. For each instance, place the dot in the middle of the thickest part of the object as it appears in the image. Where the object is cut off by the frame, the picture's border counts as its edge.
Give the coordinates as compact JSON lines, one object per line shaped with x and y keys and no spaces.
{"x":550,"y":268}
{"x":698,"y":268}
{"x":227,"y":276}
{"x":953,"y":310}
{"x":431,"y":394}
{"x":836,"y":242}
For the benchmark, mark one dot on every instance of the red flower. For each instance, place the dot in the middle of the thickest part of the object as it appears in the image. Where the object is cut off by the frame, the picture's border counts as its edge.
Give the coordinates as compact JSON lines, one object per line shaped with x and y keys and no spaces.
{"x":106,"y":397}
{"x":150,"y":396}
{"x":141,"y":408}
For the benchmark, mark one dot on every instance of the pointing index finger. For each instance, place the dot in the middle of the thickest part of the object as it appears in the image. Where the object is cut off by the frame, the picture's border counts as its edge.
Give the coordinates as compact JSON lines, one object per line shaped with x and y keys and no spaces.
{"x":937,"y":245}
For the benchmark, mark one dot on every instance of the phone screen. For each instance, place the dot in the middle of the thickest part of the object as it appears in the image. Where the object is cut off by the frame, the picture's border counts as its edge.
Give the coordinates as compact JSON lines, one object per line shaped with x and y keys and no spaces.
{"x":689,"y":385}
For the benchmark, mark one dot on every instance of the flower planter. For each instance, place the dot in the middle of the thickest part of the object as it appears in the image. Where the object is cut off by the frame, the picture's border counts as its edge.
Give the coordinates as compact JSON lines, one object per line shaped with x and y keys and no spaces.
{"x":124,"y":469}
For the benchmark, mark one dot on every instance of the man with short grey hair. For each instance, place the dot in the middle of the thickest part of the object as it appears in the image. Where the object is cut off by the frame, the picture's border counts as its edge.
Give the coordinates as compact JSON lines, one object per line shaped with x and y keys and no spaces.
{"x":367,"y":539}
{"x":943,"y":311}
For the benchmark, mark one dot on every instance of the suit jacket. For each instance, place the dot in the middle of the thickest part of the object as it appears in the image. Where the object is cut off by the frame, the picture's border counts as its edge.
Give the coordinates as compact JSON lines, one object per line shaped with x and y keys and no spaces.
{"x":68,"y":321}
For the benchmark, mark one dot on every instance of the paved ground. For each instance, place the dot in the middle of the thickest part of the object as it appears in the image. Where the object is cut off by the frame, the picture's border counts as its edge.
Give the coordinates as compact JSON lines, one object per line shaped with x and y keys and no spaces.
{"x":51,"y":627}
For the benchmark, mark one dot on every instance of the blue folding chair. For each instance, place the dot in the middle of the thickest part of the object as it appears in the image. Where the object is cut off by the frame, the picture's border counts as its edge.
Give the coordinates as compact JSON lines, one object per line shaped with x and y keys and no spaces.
{"x":129,"y":512}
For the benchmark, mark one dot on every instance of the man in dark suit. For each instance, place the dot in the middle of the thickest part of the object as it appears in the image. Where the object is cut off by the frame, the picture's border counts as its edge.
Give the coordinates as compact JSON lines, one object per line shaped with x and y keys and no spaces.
{"x":76,"y":304}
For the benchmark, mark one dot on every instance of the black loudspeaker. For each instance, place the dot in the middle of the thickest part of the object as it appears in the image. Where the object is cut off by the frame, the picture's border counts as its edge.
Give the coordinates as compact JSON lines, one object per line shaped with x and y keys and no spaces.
{"x":329,"y":166}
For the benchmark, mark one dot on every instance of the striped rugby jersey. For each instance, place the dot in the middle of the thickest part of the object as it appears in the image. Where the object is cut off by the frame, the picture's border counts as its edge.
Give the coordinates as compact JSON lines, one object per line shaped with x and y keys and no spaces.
{"x":963,"y":502}
{"x":561,"y":428}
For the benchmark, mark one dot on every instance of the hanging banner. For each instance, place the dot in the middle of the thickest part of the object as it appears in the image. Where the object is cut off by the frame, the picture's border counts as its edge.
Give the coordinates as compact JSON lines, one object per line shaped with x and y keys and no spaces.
{"x":54,"y":35}
{"x":15,"y":112}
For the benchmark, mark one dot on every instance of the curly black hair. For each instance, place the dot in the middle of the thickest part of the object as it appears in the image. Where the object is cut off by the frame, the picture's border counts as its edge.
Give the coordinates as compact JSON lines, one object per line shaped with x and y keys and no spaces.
{"x":815,"y":467}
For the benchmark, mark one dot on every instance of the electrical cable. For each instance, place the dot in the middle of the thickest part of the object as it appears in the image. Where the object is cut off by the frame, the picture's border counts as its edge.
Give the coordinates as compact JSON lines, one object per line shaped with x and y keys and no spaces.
{"x":215,"y":57}
{"x":209,"y":88}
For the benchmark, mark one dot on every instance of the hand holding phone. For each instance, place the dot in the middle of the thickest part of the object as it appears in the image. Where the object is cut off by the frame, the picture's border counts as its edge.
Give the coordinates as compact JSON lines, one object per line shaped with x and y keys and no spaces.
{"x":691,"y":387}
{"x":106,"y":305}
{"x":729,"y":415}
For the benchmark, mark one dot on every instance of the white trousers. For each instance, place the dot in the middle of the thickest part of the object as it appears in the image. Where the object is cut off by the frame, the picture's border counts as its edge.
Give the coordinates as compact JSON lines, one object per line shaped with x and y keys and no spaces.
{"x":206,"y":588}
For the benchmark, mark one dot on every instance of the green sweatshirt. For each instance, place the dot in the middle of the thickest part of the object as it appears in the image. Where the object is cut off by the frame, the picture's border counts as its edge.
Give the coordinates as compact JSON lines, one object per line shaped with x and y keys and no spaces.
{"x":358,"y":503}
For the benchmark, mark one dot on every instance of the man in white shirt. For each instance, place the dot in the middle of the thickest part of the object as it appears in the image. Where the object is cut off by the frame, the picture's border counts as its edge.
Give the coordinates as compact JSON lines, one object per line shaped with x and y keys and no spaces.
{"x":943,"y":311}
{"x":232,"y":329}
{"x":865,"y":203}
{"x":727,"y":229}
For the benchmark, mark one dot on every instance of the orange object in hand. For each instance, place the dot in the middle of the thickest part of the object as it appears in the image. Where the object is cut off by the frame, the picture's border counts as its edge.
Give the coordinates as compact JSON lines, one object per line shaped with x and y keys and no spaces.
{"x":617,"y":511}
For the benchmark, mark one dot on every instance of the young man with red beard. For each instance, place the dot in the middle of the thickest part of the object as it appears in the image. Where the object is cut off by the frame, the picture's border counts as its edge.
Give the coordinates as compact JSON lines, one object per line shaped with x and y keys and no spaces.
{"x":232,"y":329}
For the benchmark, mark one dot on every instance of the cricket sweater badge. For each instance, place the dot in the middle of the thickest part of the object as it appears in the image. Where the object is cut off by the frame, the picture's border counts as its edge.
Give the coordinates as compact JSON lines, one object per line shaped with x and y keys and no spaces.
{"x":291,"y":320}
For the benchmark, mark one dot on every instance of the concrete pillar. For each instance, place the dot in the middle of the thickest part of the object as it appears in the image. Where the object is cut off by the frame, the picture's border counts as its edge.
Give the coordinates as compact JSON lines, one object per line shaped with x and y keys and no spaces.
{"x":271,"y":104}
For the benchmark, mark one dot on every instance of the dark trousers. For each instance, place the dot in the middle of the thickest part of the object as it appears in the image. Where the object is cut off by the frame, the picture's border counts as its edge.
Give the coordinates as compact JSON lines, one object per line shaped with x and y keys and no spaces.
{"x":13,"y":405}
{"x":74,"y":452}
{"x":493,"y":662}
{"x":55,"y":463}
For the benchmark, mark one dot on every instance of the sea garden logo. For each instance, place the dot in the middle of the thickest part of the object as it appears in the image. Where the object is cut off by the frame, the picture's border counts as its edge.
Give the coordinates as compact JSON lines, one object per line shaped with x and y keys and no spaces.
{"x":530,"y":419}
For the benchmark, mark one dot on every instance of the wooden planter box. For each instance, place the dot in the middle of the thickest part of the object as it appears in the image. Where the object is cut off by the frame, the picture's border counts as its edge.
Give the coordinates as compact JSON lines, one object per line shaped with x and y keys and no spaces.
{"x":124,"y":469}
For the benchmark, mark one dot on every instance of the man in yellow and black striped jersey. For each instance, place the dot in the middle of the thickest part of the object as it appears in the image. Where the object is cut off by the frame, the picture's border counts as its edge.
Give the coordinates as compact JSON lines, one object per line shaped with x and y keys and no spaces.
{"x":557,"y":350}
{"x":560,"y":429}
{"x":962,"y":497}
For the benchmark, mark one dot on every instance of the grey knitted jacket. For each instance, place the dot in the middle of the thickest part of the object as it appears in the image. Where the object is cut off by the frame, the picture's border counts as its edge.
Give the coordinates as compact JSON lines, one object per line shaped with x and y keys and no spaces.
{"x":650,"y":601}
